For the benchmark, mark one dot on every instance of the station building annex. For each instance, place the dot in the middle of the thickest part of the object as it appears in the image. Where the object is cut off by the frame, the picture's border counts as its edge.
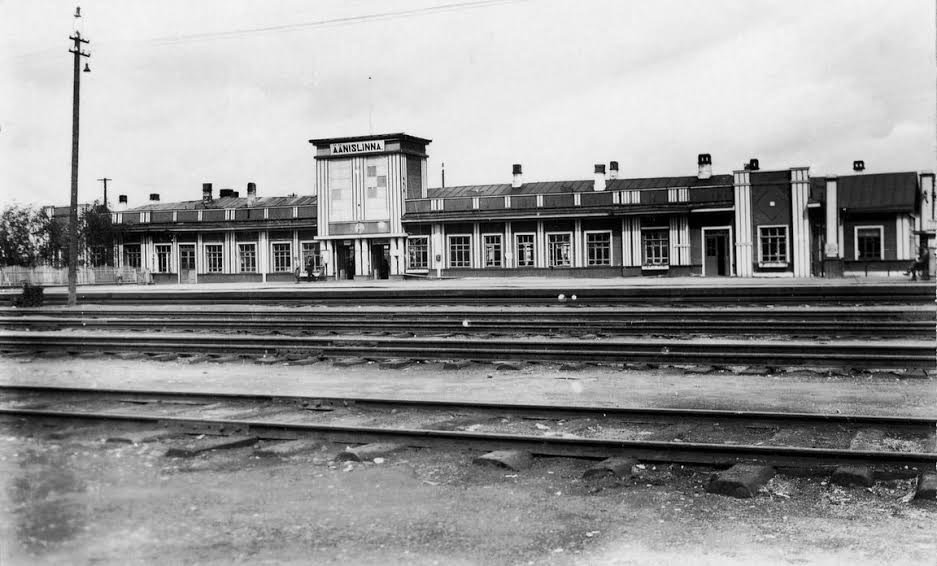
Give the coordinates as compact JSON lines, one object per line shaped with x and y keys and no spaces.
{"x":372,"y":215}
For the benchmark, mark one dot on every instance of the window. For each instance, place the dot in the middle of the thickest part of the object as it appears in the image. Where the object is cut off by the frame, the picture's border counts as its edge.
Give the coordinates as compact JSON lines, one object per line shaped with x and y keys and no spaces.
{"x":163,"y":258}
{"x":311,"y":253}
{"x":869,"y":242}
{"x":492,"y":250}
{"x":214,"y":258}
{"x":656,"y":245}
{"x":598,"y":248}
{"x":772,"y":245}
{"x":524,"y":249}
{"x":99,"y":256}
{"x":340,"y":205}
{"x":418,"y":252}
{"x":460,"y":251}
{"x":132,"y":256}
{"x":375,"y":184}
{"x":247,"y":258}
{"x":559,"y":250}
{"x":282,"y":255}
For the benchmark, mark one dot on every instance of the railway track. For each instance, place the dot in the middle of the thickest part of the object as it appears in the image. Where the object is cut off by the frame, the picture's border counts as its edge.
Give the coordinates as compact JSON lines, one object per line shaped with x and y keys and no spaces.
{"x":848,"y":354}
{"x":653,"y":435}
{"x":803,"y":322}
{"x":825,"y":294}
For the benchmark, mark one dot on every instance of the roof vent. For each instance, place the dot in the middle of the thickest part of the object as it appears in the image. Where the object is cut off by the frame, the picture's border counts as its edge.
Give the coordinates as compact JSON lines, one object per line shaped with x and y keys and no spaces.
{"x":518,"y":180}
{"x":613,"y":170}
{"x":154,"y":197}
{"x":858,"y":166}
{"x":752,"y":165}
{"x":599,"y":184}
{"x":705,"y":163}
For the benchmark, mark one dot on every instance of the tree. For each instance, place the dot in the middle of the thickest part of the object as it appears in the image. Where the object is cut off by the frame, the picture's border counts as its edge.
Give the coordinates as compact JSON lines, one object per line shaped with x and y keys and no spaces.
{"x":30,"y":236}
{"x":96,"y":235}
{"x":23,"y":234}
{"x":54,"y":249}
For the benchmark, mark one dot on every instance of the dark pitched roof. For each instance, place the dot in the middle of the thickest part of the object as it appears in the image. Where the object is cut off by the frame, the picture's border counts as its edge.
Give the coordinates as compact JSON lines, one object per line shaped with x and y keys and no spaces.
{"x":398,"y":135}
{"x":886,"y":192}
{"x":548,"y":187}
{"x":228,"y":202}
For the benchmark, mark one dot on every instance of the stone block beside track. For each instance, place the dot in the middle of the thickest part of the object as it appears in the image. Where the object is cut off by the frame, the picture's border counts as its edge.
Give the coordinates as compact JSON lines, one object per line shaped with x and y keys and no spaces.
{"x":514,"y":460}
{"x":396,"y":363}
{"x":741,"y":480}
{"x":197,"y":447}
{"x":622,"y":468}
{"x":853,"y":476}
{"x":368,"y":452}
{"x":926,"y":487}
{"x":288,"y":448}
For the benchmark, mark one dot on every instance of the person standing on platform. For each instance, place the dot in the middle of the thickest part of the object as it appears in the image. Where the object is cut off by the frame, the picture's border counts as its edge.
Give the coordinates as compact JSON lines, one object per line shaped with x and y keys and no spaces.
{"x":922,"y":264}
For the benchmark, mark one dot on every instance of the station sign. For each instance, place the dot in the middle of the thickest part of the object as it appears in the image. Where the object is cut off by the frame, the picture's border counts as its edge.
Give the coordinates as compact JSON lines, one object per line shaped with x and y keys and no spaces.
{"x":356,"y":147}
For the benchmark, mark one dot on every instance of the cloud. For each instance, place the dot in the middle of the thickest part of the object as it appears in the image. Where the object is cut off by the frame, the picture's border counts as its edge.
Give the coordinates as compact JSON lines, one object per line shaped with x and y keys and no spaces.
{"x":555,"y":85}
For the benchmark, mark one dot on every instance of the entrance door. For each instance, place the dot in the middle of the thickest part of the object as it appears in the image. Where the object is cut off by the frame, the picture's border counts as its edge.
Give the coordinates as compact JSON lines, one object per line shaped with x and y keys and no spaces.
{"x":187,"y":273}
{"x":345,"y":264}
{"x":816,"y":253}
{"x":380,"y":260}
{"x":716,"y":260}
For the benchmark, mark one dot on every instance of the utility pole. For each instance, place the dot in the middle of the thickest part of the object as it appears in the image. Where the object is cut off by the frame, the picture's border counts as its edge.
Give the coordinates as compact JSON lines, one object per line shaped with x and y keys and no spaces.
{"x":105,"y":180}
{"x":73,"y":210}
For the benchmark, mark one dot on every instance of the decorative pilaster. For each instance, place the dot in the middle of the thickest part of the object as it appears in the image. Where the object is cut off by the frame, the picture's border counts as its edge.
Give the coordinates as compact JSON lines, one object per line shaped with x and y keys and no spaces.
{"x":800,"y":238}
{"x":743,"y":223}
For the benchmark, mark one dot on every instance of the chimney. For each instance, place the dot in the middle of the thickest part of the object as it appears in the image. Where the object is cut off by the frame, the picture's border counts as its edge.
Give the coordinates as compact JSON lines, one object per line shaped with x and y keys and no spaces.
{"x":225,"y":193}
{"x":154,"y":197}
{"x":518,"y":181}
{"x":613,"y":170}
{"x":858,"y":166}
{"x":206,"y":192}
{"x":121,"y":203}
{"x":705,"y":162}
{"x":235,"y":194}
{"x":599,"y":177}
{"x":752,"y":165}
{"x":251,"y":194}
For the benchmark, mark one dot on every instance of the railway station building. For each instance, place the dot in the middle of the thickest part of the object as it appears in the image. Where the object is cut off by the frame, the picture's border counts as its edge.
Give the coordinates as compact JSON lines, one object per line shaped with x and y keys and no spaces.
{"x":372,"y":214}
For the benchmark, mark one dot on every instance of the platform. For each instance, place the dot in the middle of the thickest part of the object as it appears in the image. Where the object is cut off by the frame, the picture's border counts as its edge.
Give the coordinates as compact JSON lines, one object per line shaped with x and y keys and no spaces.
{"x":508,"y":283}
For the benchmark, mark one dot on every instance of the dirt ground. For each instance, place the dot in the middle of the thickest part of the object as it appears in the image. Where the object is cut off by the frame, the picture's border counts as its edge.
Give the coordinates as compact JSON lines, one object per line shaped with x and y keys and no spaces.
{"x":70,"y":497}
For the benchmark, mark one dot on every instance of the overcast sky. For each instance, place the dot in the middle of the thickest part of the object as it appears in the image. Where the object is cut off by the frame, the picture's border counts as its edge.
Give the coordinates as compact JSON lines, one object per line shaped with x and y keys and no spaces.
{"x":174,"y":100}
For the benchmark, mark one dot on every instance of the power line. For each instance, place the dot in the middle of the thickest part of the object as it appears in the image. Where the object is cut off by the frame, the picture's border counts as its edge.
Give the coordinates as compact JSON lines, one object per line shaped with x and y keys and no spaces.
{"x":342,"y":21}
{"x":347,"y":20}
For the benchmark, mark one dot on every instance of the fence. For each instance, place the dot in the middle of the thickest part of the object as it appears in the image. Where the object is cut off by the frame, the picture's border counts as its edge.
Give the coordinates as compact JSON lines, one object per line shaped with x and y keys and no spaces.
{"x":49,"y":276}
